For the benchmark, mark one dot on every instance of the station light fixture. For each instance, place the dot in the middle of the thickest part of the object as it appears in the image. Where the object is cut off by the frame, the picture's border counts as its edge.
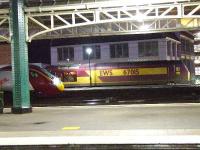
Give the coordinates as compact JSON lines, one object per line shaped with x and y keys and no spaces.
{"x":144,"y":27}
{"x":139,"y":17}
{"x":89,"y":52}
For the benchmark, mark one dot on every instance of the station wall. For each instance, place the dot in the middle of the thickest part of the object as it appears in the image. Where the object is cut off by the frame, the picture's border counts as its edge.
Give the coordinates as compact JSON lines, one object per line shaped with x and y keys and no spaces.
{"x":5,"y":54}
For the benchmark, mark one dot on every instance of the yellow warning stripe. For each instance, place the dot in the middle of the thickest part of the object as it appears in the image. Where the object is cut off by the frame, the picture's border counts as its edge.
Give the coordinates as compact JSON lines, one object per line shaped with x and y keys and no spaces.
{"x":71,"y":128}
{"x":96,"y":74}
{"x":130,"y":71}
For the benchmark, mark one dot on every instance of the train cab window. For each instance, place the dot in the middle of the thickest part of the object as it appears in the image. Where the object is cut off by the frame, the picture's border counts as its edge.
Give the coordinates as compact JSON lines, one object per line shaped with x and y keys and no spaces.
{"x":70,"y":76}
{"x":33,"y":74}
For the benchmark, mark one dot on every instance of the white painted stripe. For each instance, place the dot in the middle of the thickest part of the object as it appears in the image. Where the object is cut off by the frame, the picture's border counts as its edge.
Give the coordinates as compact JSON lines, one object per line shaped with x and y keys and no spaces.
{"x":114,"y":106}
{"x":101,"y":140}
{"x":122,"y":106}
{"x":131,"y":132}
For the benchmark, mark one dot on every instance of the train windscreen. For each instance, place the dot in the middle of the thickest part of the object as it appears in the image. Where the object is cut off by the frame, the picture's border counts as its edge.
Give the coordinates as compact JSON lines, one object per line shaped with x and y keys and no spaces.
{"x":47,"y":73}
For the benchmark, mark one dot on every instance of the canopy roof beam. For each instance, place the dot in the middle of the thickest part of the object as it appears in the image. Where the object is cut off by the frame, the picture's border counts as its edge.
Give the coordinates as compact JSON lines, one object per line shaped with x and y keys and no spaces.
{"x":121,"y":18}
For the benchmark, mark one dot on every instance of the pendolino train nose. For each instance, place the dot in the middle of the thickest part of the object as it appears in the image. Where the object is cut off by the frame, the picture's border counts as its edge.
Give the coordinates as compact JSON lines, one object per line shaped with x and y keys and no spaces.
{"x":60,"y":86}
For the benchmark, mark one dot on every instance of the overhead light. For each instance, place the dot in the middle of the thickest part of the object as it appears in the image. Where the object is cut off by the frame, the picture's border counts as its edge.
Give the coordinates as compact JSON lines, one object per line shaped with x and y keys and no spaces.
{"x":198,"y":34}
{"x":139,"y":17}
{"x":144,"y":27}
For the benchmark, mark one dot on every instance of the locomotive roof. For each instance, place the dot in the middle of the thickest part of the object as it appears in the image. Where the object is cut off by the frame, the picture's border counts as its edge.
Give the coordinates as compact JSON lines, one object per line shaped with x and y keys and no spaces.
{"x":141,"y":62}
{"x":115,"y":38}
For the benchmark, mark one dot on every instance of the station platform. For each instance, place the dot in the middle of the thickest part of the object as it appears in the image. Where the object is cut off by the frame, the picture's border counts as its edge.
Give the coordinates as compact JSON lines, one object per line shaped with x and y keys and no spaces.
{"x":104,"y":124}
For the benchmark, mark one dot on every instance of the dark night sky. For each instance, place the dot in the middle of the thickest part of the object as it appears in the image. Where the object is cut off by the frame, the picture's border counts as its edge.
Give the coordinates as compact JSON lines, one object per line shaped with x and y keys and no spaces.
{"x":39,"y":51}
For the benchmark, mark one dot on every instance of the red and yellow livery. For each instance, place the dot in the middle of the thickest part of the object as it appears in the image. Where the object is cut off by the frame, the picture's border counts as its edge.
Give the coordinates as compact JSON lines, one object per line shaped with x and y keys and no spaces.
{"x":124,"y":73}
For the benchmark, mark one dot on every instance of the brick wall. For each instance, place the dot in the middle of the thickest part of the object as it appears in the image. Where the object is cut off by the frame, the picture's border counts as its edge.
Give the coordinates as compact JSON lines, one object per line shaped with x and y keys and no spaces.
{"x":5,"y":54}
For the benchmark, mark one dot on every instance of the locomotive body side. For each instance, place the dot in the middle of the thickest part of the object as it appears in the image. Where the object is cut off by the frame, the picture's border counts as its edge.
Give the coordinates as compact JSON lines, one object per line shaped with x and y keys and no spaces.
{"x":129,"y":73}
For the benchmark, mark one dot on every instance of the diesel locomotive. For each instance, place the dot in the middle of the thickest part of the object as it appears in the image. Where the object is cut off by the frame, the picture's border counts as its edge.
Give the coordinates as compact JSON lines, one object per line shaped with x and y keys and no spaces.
{"x":123,"y":73}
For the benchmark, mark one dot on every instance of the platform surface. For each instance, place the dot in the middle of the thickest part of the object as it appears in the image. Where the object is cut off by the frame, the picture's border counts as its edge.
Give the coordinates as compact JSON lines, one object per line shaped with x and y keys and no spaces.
{"x":103,"y":124}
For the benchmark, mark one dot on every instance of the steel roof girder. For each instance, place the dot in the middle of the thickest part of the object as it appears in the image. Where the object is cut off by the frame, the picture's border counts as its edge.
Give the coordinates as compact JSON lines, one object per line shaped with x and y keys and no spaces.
{"x":62,"y":19}
{"x":180,"y":9}
{"x":4,"y":12}
{"x":4,"y":29}
{"x":38,"y":23}
{"x":97,"y":5}
{"x":97,"y":12}
{"x":119,"y":28}
{"x":166,"y":26}
{"x":122,"y":8}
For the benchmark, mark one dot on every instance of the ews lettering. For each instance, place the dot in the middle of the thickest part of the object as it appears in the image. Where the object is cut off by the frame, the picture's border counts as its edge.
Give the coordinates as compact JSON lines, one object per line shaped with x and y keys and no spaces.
{"x":106,"y":73}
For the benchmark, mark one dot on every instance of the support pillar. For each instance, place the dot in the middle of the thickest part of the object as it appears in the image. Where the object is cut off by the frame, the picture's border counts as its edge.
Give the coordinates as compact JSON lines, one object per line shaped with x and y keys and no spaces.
{"x":19,"y":50}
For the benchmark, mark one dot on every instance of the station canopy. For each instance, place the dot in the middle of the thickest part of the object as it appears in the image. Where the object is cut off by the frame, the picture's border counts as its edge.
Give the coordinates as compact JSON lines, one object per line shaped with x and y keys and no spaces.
{"x":32,"y":3}
{"x":49,"y":19}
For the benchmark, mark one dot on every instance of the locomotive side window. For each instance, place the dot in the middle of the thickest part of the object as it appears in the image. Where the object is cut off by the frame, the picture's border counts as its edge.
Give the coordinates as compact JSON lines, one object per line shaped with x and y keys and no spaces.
{"x":70,"y":76}
{"x":169,"y":48}
{"x":65,"y":53}
{"x":33,"y":74}
{"x":96,"y":52}
{"x":148,"y":48}
{"x":174,"y":49}
{"x":119,"y":50}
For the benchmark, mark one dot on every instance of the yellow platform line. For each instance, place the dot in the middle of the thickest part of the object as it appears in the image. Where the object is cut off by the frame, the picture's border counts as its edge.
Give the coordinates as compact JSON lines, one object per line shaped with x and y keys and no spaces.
{"x":70,"y":128}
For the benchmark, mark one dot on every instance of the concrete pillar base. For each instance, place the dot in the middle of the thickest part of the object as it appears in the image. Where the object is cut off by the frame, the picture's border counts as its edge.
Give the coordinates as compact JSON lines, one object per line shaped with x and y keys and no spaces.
{"x":21,"y":110}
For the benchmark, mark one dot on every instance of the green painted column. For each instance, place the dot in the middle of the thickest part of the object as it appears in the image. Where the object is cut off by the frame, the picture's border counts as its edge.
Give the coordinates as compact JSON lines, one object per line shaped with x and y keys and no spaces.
{"x":20,"y":71}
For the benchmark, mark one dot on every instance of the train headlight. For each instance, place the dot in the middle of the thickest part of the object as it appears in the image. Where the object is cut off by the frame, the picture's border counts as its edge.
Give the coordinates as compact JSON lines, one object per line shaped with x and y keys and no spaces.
{"x":56,"y":81}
